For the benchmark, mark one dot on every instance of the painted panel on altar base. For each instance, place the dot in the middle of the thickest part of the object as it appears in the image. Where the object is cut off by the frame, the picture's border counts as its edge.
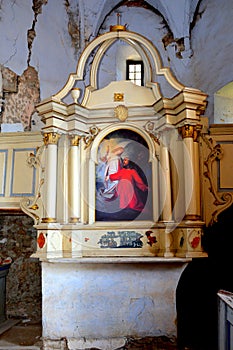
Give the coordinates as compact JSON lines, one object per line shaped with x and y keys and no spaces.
{"x":123,"y":178}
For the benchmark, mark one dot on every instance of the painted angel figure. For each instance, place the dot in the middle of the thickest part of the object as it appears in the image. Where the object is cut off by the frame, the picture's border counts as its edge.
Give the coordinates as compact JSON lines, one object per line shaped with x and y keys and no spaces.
{"x":113,"y":164}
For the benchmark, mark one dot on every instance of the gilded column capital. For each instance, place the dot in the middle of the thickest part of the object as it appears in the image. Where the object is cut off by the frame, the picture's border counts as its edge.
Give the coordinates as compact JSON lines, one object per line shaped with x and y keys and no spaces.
{"x":74,"y":140}
{"x":188,"y":131}
{"x":51,"y":138}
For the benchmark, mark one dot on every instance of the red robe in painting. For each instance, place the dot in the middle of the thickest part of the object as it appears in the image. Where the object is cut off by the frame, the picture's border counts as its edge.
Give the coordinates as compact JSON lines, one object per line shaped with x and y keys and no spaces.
{"x":129,"y":182}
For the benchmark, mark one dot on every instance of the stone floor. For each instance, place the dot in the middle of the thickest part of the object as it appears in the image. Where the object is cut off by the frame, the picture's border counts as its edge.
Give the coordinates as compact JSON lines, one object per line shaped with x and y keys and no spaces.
{"x":26,"y":335}
{"x":20,"y":334}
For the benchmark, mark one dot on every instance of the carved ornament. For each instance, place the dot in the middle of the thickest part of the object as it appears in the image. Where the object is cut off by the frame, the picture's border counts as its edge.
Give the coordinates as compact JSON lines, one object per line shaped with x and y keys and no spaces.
{"x":74,"y":140}
{"x":33,"y":160}
{"x":188,"y":131}
{"x":121,"y":112}
{"x":149,"y":127}
{"x":30,"y":205}
{"x":51,"y":138}
{"x":93,"y":132}
{"x":118,"y":96}
{"x":192,"y":131}
{"x":224,"y":199}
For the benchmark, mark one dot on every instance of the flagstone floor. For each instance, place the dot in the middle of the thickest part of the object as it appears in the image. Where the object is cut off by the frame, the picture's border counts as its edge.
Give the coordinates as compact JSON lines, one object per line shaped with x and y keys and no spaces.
{"x":26,"y":335}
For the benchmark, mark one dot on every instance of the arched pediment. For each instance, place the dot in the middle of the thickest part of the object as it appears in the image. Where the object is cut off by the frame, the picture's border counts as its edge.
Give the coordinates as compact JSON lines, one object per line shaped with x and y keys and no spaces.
{"x":101,"y":44}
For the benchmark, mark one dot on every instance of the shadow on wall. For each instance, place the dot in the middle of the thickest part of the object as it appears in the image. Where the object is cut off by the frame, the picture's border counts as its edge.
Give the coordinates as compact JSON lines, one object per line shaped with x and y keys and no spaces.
{"x":197,"y":301}
{"x":23,"y":289}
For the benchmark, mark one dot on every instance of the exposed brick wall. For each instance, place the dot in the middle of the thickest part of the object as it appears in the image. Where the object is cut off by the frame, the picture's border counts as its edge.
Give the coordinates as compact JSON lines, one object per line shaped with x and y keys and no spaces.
{"x":18,"y":241}
{"x":20,"y":96}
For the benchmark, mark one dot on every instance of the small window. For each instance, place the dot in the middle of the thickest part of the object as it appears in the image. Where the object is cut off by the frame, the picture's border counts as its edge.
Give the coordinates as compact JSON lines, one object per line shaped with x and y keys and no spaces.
{"x":135,"y":72}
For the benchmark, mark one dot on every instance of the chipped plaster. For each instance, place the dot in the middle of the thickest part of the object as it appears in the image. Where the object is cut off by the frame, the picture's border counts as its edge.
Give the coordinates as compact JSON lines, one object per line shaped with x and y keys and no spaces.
{"x":19,"y":103}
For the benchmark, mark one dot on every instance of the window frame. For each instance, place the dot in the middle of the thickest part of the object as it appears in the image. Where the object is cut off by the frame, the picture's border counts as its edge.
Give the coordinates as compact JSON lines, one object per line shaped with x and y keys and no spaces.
{"x":134,"y":62}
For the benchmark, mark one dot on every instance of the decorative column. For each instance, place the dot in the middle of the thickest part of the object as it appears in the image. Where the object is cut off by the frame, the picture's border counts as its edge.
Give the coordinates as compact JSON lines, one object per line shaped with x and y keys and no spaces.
{"x":50,"y":184}
{"x":74,"y":179}
{"x":166,"y":239}
{"x":165,"y":179}
{"x":191,"y":172}
{"x":196,"y":166}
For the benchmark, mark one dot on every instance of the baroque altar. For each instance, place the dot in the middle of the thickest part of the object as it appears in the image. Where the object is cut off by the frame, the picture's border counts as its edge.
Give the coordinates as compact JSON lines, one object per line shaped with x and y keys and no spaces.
{"x":118,"y":208}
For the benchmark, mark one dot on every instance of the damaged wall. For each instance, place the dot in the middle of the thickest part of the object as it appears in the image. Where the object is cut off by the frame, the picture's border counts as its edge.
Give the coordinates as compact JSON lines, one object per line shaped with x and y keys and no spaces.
{"x":20,"y":94}
{"x":41,"y":41}
{"x":36,"y":35}
{"x":18,"y":241}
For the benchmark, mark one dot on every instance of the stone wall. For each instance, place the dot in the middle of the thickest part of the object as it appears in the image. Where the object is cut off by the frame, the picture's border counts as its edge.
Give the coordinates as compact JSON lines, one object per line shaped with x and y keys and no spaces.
{"x":18,"y":240}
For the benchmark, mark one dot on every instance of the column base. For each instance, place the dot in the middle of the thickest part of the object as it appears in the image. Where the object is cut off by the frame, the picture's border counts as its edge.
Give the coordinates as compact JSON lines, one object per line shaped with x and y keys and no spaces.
{"x":48,"y":220}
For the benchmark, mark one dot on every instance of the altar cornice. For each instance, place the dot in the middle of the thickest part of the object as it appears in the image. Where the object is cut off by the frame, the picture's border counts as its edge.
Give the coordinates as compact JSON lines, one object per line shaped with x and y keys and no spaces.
{"x":118,"y":260}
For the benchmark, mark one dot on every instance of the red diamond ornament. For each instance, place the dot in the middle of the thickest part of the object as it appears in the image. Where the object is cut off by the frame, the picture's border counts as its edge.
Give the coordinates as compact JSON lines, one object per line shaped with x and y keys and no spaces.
{"x":41,"y":240}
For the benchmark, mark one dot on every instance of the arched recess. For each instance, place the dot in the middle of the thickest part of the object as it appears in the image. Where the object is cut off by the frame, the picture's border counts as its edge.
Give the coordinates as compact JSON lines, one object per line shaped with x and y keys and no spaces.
{"x":179,"y":28}
{"x":93,"y":162}
{"x":109,"y":6}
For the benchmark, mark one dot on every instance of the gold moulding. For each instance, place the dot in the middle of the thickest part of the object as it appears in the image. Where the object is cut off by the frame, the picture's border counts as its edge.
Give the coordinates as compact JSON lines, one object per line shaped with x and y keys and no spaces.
{"x":117,"y":28}
{"x":192,"y":217}
{"x":48,"y":220}
{"x":74,"y":220}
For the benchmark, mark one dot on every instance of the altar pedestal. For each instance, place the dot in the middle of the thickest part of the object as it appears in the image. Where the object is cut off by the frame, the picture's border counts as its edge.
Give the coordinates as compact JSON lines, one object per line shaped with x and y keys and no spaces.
{"x":100,"y":302}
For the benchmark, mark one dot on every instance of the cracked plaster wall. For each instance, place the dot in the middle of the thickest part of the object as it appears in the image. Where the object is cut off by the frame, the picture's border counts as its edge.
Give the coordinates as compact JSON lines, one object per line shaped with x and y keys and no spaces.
{"x":41,"y":42}
{"x":49,"y":37}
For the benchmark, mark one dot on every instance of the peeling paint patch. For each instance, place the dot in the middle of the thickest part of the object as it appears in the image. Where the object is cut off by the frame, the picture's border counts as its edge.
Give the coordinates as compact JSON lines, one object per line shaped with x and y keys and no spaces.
{"x":19,"y":105}
{"x":178,"y":43}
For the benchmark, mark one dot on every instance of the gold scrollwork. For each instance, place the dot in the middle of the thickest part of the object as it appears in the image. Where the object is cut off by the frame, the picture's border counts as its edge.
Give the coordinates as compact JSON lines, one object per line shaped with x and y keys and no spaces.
{"x":149,"y":127}
{"x":32,"y":206}
{"x":155,"y":138}
{"x":29,"y":206}
{"x":51,"y":138}
{"x":224,"y":199}
{"x":197,"y":131}
{"x":33,"y":160}
{"x":93,"y":132}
